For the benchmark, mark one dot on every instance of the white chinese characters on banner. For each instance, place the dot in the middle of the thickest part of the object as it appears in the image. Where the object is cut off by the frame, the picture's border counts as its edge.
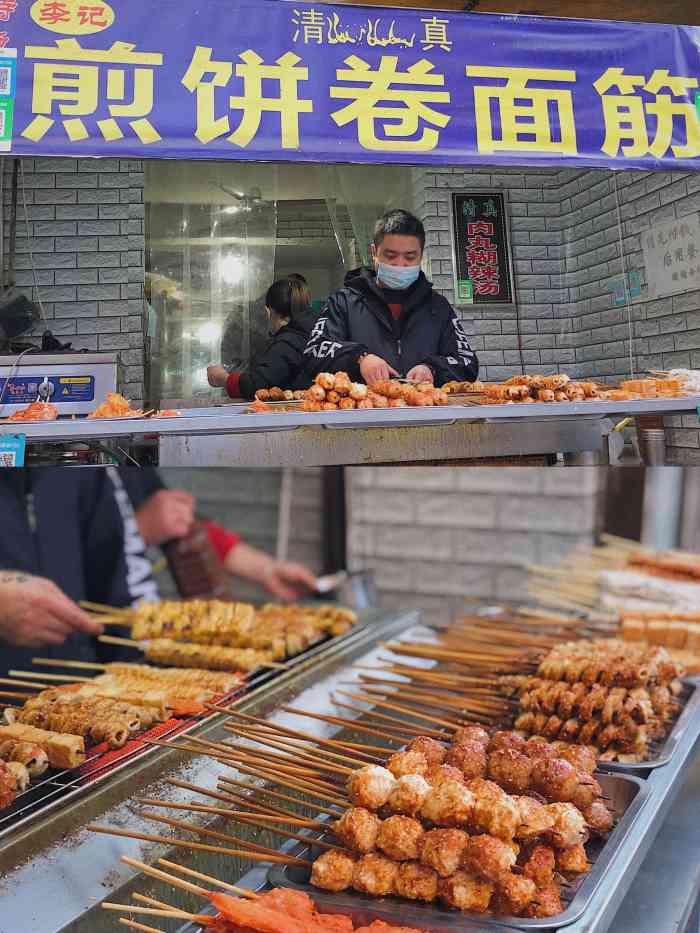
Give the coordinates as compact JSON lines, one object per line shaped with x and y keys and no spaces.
{"x":672,"y":256}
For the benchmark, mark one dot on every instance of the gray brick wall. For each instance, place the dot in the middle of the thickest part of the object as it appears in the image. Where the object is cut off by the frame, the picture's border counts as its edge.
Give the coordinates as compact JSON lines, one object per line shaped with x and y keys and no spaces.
{"x":437,"y":537}
{"x":86,"y":220}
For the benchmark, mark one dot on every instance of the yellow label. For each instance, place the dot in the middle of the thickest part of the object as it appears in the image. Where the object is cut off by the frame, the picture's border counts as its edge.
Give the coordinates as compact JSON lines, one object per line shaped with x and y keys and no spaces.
{"x":74,"y":380}
{"x":73,"y":17}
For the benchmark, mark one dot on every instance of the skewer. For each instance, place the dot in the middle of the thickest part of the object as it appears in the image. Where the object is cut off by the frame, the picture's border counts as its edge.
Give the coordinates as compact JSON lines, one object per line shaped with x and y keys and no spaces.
{"x":57,"y":678}
{"x":133,"y":925}
{"x":249,"y":819}
{"x":300,"y":756}
{"x":199,"y":846}
{"x":260,"y":736}
{"x":270,"y":776}
{"x":164,"y":876}
{"x":260,"y":811}
{"x":173,"y":912}
{"x":276,"y":795}
{"x":14,"y":695}
{"x":240,"y":892}
{"x":383,"y":704}
{"x":407,"y":730}
{"x":12,"y":682}
{"x":220,"y":811}
{"x":213,"y":834}
{"x":101,"y":607}
{"x":85,"y":665}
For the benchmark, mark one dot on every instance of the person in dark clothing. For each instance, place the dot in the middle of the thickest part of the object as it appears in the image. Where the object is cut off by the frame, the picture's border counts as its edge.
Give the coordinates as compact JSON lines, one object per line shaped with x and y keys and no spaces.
{"x":280,"y":364}
{"x":68,"y":535}
{"x":389,"y":321}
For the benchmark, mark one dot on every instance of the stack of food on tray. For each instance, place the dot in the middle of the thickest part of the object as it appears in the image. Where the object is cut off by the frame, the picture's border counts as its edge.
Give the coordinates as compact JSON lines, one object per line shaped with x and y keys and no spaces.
{"x":604,"y":693}
{"x":562,"y":388}
{"x":486,"y":824}
{"x":336,"y":392}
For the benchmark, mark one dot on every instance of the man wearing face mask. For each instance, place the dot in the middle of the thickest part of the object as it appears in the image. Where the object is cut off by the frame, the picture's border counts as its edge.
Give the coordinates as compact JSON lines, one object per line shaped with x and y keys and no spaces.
{"x":389,"y":321}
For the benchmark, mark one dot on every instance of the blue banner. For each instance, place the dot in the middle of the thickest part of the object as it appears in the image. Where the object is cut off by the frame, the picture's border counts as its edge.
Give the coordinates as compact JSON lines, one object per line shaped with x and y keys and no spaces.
{"x":276,"y":80}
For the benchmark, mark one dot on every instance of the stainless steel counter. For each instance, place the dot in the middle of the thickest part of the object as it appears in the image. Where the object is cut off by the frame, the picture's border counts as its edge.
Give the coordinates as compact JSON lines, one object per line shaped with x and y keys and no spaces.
{"x":228,"y":435}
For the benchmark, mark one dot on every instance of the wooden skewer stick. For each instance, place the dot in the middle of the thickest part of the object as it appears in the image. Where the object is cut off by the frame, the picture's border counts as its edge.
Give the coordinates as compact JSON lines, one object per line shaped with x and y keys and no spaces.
{"x":124,"y":642}
{"x":271,"y":793}
{"x":55,"y":678}
{"x":298,"y":745}
{"x":272,"y":777}
{"x":213,"y":834}
{"x":85,"y":665}
{"x":406,"y":730}
{"x":101,"y":607}
{"x":319,"y":764}
{"x":12,"y":682}
{"x":254,"y":806}
{"x":356,"y":748}
{"x":199,"y":846}
{"x":133,"y":925}
{"x":221,"y":811}
{"x":146,"y":899}
{"x":383,"y":704}
{"x":240,"y":892}
{"x":294,"y":733}
{"x":164,"y":876}
{"x":250,"y":819}
{"x":14,"y":695}
{"x":157,"y":912}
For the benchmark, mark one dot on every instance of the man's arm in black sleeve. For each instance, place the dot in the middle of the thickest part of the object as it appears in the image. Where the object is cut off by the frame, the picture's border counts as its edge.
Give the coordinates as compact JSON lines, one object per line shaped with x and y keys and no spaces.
{"x":455,"y":359}
{"x":329,"y":349}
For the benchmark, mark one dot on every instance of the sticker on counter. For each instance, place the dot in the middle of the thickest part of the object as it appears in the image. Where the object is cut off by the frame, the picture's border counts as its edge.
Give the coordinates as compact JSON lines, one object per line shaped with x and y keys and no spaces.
{"x":23,"y":390}
{"x":12,"y":448}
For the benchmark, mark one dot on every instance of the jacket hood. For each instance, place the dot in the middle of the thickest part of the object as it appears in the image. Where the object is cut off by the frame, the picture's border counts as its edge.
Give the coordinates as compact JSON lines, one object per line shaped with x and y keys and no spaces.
{"x":302,"y":323}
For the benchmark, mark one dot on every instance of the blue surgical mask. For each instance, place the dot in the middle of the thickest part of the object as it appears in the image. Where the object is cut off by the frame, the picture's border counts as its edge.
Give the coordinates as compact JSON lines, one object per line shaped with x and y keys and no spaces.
{"x":398,"y":277}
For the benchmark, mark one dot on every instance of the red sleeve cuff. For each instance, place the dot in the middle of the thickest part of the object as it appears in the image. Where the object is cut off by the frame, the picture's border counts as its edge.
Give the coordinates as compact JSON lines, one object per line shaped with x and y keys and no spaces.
{"x":233,"y":385}
{"x":222,"y":541}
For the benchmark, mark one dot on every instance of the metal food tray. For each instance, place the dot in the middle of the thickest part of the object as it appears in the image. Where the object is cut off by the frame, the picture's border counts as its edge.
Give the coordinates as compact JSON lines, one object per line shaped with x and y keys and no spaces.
{"x":627,"y":793}
{"x":57,"y":787}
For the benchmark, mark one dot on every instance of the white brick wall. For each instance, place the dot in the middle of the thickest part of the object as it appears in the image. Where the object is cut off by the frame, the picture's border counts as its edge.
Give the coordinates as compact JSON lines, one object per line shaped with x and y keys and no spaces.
{"x":86,"y":220}
{"x":436,"y":537}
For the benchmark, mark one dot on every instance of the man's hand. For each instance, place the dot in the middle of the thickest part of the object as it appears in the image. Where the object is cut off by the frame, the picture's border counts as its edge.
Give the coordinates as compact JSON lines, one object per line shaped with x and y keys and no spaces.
{"x":217,"y":376}
{"x":420,"y":373}
{"x":167,"y":514}
{"x":34,"y":612}
{"x":375,"y":369}
{"x":289,"y":581}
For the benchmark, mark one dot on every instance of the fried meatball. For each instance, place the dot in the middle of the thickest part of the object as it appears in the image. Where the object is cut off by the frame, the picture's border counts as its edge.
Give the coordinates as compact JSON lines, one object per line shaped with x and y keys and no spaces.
{"x":598,"y":818}
{"x":400,"y":838}
{"x":410,"y":762}
{"x":516,"y":892}
{"x":555,"y":779}
{"x":582,"y":757}
{"x":316,"y":393}
{"x":443,"y":849}
{"x":587,"y":791}
{"x":485,"y":790}
{"x":498,"y":817}
{"x":416,"y":882}
{"x":370,"y":787}
{"x":539,"y":865}
{"x":358,"y":391}
{"x":333,"y":871}
{"x":449,"y":804}
{"x":465,"y":892}
{"x":538,"y":747}
{"x":469,"y":757}
{"x":511,"y":770}
{"x":408,"y":795}
{"x":326,"y":381}
{"x":434,"y":752}
{"x":573,"y":860}
{"x":569,"y":826}
{"x":502,"y":739}
{"x":488,"y":857}
{"x":358,"y":829}
{"x":471,"y":734}
{"x":535,"y":818}
{"x":374,"y":874}
{"x":441,"y":773}
{"x":546,"y":903}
